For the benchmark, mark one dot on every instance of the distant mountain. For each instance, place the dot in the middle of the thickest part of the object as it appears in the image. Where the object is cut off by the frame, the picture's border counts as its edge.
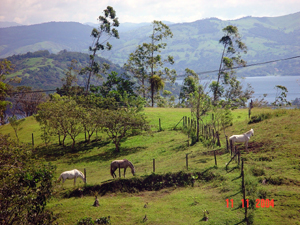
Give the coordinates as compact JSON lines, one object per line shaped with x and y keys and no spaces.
{"x":8,"y":24}
{"x":42,"y":70}
{"x":125,"y":27}
{"x":53,"y":36}
{"x":194,"y":45}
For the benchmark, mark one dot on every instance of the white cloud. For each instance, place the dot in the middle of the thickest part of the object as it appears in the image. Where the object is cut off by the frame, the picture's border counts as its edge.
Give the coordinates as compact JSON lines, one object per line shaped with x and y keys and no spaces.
{"x":38,"y":11}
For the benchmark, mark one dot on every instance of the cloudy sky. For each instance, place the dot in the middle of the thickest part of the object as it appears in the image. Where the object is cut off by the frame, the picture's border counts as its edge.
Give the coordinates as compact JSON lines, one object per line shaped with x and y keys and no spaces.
{"x":38,"y":11}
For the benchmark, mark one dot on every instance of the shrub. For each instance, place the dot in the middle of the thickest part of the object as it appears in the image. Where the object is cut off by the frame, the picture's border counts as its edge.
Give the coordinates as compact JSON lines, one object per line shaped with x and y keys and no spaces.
{"x":85,"y":221}
{"x":257,"y":172}
{"x":259,"y":118}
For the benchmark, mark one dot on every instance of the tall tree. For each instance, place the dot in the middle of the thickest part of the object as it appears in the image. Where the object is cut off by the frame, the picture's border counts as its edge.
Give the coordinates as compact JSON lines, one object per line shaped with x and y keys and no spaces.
{"x":101,"y":35}
{"x":147,"y":64}
{"x":227,"y":84}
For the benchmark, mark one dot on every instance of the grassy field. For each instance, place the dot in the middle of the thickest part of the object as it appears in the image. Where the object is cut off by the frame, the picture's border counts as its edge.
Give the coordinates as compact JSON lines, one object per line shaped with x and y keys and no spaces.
{"x":274,"y":156}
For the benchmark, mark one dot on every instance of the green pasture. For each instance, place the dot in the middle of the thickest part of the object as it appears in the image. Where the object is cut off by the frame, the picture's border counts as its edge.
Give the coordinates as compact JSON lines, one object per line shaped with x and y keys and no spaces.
{"x":274,"y":155}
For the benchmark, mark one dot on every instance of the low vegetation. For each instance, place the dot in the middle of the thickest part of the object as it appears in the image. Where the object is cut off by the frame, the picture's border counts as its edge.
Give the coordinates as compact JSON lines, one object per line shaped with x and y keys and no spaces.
{"x":169,"y":195}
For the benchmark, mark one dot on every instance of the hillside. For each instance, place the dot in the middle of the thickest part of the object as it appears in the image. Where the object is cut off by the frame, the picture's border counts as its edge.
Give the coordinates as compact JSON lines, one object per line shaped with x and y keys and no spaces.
{"x":194,"y":45}
{"x":271,"y":172}
{"x":42,"y":70}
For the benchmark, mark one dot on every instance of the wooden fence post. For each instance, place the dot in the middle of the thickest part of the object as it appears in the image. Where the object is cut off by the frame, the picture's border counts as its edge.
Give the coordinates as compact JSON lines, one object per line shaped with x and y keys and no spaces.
{"x":159,"y":125}
{"x":227,"y":147}
{"x":215,"y":157}
{"x":244,"y":193}
{"x":84,"y":176}
{"x":153,"y":165}
{"x":119,"y":171}
{"x":242,"y":169}
{"x":32,"y":139}
{"x":187,"y":161}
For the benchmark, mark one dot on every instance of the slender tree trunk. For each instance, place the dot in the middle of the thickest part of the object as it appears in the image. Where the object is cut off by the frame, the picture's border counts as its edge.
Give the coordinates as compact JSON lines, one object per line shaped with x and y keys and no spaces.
{"x":198,"y":129}
{"x":219,"y":74}
{"x":90,"y":74}
{"x":152,"y":94}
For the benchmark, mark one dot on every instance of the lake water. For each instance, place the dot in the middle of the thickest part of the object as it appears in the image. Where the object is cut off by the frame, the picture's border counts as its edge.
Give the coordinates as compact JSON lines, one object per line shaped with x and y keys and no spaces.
{"x":266,"y":85}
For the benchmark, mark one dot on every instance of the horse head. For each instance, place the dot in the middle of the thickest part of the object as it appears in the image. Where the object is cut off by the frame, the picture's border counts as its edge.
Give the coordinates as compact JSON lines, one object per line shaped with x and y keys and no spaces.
{"x":133,"y":171}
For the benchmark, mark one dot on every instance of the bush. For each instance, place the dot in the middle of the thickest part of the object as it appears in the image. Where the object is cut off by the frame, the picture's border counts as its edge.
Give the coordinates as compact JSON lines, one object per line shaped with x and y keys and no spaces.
{"x":259,"y":118}
{"x":85,"y":221}
{"x":257,"y":172}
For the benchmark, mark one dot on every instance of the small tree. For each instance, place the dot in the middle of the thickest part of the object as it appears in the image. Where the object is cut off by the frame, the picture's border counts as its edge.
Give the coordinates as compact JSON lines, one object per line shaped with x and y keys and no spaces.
{"x":69,"y":87}
{"x":200,"y":104}
{"x":119,"y":124}
{"x":281,"y":94}
{"x":15,"y":123}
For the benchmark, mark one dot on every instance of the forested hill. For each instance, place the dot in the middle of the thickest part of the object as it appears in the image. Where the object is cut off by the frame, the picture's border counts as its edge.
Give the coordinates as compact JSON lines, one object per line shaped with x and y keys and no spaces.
{"x":42,"y":70}
{"x":194,"y":45}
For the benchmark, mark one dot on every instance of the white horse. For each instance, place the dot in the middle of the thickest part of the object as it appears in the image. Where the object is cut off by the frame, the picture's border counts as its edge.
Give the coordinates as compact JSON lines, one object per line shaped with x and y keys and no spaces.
{"x":72,"y":174}
{"x":124,"y":163}
{"x":242,"y":138}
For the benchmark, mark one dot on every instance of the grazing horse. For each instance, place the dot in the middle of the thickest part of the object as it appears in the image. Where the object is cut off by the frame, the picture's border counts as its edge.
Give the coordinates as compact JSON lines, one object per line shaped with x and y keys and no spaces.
{"x":124,"y":163}
{"x":72,"y":174}
{"x":242,"y":138}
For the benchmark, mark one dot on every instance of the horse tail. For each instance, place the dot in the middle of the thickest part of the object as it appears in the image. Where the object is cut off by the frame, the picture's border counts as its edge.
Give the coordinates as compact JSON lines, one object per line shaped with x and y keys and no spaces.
{"x":111,"y":172}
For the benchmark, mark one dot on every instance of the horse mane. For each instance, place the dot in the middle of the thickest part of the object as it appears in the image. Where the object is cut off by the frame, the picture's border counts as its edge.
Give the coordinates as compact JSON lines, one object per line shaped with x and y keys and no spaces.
{"x":80,"y":173}
{"x":249,"y":131}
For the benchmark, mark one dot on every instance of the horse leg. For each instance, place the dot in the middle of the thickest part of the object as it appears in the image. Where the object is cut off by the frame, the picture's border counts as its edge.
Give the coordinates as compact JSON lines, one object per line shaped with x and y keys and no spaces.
{"x":124,"y":171}
{"x":75,"y":181}
{"x":246,"y":145}
{"x":113,"y":173}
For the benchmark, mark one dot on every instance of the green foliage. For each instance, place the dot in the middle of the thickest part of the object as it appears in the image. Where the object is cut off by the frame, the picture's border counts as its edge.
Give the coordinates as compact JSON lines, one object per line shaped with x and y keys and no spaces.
{"x":85,"y":221}
{"x":26,"y":185}
{"x":115,"y":87}
{"x":60,"y":117}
